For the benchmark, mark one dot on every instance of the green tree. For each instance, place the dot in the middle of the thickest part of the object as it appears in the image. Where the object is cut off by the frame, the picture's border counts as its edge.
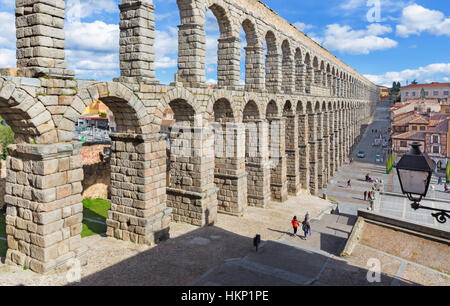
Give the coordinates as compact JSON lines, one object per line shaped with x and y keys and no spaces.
{"x":414,"y":82}
{"x":6,"y":138}
{"x":422,"y":93}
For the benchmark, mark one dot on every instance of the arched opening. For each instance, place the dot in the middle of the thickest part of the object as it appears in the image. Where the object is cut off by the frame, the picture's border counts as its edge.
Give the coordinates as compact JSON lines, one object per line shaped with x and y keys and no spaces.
{"x":288,"y":71}
{"x":317,"y":75}
{"x":299,"y":72}
{"x":272,"y":63}
{"x":93,"y":130}
{"x":219,"y":47}
{"x":229,"y":171}
{"x":309,"y":73}
{"x":252,"y":63}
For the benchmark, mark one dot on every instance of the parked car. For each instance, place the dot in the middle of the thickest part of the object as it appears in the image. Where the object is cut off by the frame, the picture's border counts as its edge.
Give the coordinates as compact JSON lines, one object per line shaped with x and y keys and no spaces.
{"x":378,"y":159}
{"x":361,"y":154}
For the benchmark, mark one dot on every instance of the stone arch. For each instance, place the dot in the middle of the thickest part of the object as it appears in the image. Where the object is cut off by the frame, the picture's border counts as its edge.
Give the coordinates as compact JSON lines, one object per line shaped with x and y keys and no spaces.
{"x":309,"y":108}
{"x":324,"y":107}
{"x":272,"y":69}
{"x":251,"y":33}
{"x":223,"y":111}
{"x":218,"y":8}
{"x":189,"y":98}
{"x":288,"y":68}
{"x":317,"y":107}
{"x":251,"y":111}
{"x":272,"y":110}
{"x":301,"y":108}
{"x":26,"y":115}
{"x":288,"y":109}
{"x":129,"y":111}
{"x":299,"y":71}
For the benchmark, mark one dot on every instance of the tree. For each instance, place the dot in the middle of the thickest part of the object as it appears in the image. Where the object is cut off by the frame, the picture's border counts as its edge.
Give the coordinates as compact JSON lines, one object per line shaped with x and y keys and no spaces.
{"x":6,"y":138}
{"x":422,"y":93}
{"x":414,"y":82}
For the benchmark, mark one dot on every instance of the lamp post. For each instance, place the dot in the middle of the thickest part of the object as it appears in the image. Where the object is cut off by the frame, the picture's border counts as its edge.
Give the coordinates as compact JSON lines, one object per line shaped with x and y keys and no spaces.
{"x":414,"y":172}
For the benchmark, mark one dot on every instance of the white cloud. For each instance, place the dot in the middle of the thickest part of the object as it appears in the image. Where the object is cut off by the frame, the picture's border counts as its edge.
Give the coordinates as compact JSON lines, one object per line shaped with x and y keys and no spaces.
{"x":7,"y":58}
{"x":345,"y":39}
{"x":303,"y":26}
{"x":96,"y":35}
{"x":416,"y":19}
{"x":432,"y":73}
{"x":78,"y":9}
{"x":7,"y":30}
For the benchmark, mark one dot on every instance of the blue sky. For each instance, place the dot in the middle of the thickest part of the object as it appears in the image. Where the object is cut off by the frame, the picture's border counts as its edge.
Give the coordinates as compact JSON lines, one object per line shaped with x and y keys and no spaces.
{"x":409,"y":39}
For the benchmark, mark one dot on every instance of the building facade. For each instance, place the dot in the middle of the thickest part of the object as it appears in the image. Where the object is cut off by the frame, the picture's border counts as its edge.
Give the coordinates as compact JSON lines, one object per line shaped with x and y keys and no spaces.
{"x":439,"y":91}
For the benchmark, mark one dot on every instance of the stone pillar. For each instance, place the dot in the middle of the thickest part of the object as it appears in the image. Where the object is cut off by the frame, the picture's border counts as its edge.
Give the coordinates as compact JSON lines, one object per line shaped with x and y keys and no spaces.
{"x":257,"y":163}
{"x":191,"y":192}
{"x":342,"y":137}
{"x":44,"y":209}
{"x":41,"y":39}
{"x":326,"y":150}
{"x":300,"y":74}
{"x":318,"y":77}
{"x":228,"y":65}
{"x":313,"y":154}
{"x":332,"y":146}
{"x":304,"y":150}
{"x":324,"y":78}
{"x":293,"y":154}
{"x":254,"y":68}
{"x":138,"y":189}
{"x":334,"y":86}
{"x":288,"y":74}
{"x":273,"y":72}
{"x":137,"y":39}
{"x":321,"y":171}
{"x":309,"y":79}
{"x":230,"y":176}
{"x":278,"y":159}
{"x":191,"y":55}
{"x":337,"y":140}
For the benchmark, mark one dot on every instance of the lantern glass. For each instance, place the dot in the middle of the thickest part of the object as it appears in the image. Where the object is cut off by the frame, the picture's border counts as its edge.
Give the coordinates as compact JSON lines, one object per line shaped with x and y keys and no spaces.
{"x":414,"y":182}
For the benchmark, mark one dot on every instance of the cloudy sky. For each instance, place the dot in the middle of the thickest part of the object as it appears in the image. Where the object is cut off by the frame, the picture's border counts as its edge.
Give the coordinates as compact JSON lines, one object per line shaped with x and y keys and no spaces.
{"x":386,"y":40}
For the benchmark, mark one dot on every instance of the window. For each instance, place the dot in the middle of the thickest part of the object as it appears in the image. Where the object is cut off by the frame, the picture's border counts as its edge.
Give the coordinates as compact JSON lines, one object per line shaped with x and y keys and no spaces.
{"x":403,"y":144}
{"x":436,"y":149}
{"x":446,"y":93}
{"x":435,"y":139}
{"x":413,"y":93}
{"x":426,"y":93}
{"x":414,"y":128}
{"x":422,"y":128}
{"x":407,"y":94}
{"x":435,"y":93}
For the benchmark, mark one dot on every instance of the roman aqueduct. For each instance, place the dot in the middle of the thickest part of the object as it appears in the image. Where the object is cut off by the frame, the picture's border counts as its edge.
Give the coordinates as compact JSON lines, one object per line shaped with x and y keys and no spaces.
{"x":316,"y":102}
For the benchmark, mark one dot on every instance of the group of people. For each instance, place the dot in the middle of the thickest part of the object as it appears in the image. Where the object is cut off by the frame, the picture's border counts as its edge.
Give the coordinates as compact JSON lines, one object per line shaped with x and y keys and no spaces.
{"x":369,"y":195}
{"x":306,"y":227}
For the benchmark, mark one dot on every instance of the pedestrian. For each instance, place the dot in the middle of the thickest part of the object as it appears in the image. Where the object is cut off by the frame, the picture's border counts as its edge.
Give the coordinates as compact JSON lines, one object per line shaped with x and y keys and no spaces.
{"x":365,"y":195}
{"x":349,"y":184}
{"x":295,"y":225}
{"x":440,"y":181}
{"x":445,"y":187}
{"x":306,"y":228}
{"x":370,"y":195}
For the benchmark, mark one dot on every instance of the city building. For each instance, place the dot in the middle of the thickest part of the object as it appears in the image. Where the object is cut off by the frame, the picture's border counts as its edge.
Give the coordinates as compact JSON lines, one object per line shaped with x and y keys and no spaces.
{"x":440,"y":91}
{"x":430,"y":130}
{"x":385,"y":93}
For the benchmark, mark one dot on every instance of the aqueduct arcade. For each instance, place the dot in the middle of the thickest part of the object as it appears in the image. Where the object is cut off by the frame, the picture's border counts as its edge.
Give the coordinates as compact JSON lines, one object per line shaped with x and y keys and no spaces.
{"x":289,"y":128}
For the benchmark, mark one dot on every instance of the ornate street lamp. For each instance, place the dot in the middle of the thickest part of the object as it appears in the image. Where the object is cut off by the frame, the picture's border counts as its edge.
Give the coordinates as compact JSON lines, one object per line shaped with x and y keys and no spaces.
{"x":414,"y":172}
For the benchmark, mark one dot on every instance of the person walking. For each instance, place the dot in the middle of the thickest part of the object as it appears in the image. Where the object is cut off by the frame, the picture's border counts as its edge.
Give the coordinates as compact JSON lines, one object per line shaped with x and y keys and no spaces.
{"x":295,"y":225}
{"x":306,"y":227}
{"x":440,"y":181}
{"x":365,"y":195}
{"x":349,"y":184}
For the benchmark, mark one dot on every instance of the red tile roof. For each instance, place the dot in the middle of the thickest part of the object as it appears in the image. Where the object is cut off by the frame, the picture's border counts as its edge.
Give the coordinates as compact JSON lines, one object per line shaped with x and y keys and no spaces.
{"x":432,"y":85}
{"x":412,"y":135}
